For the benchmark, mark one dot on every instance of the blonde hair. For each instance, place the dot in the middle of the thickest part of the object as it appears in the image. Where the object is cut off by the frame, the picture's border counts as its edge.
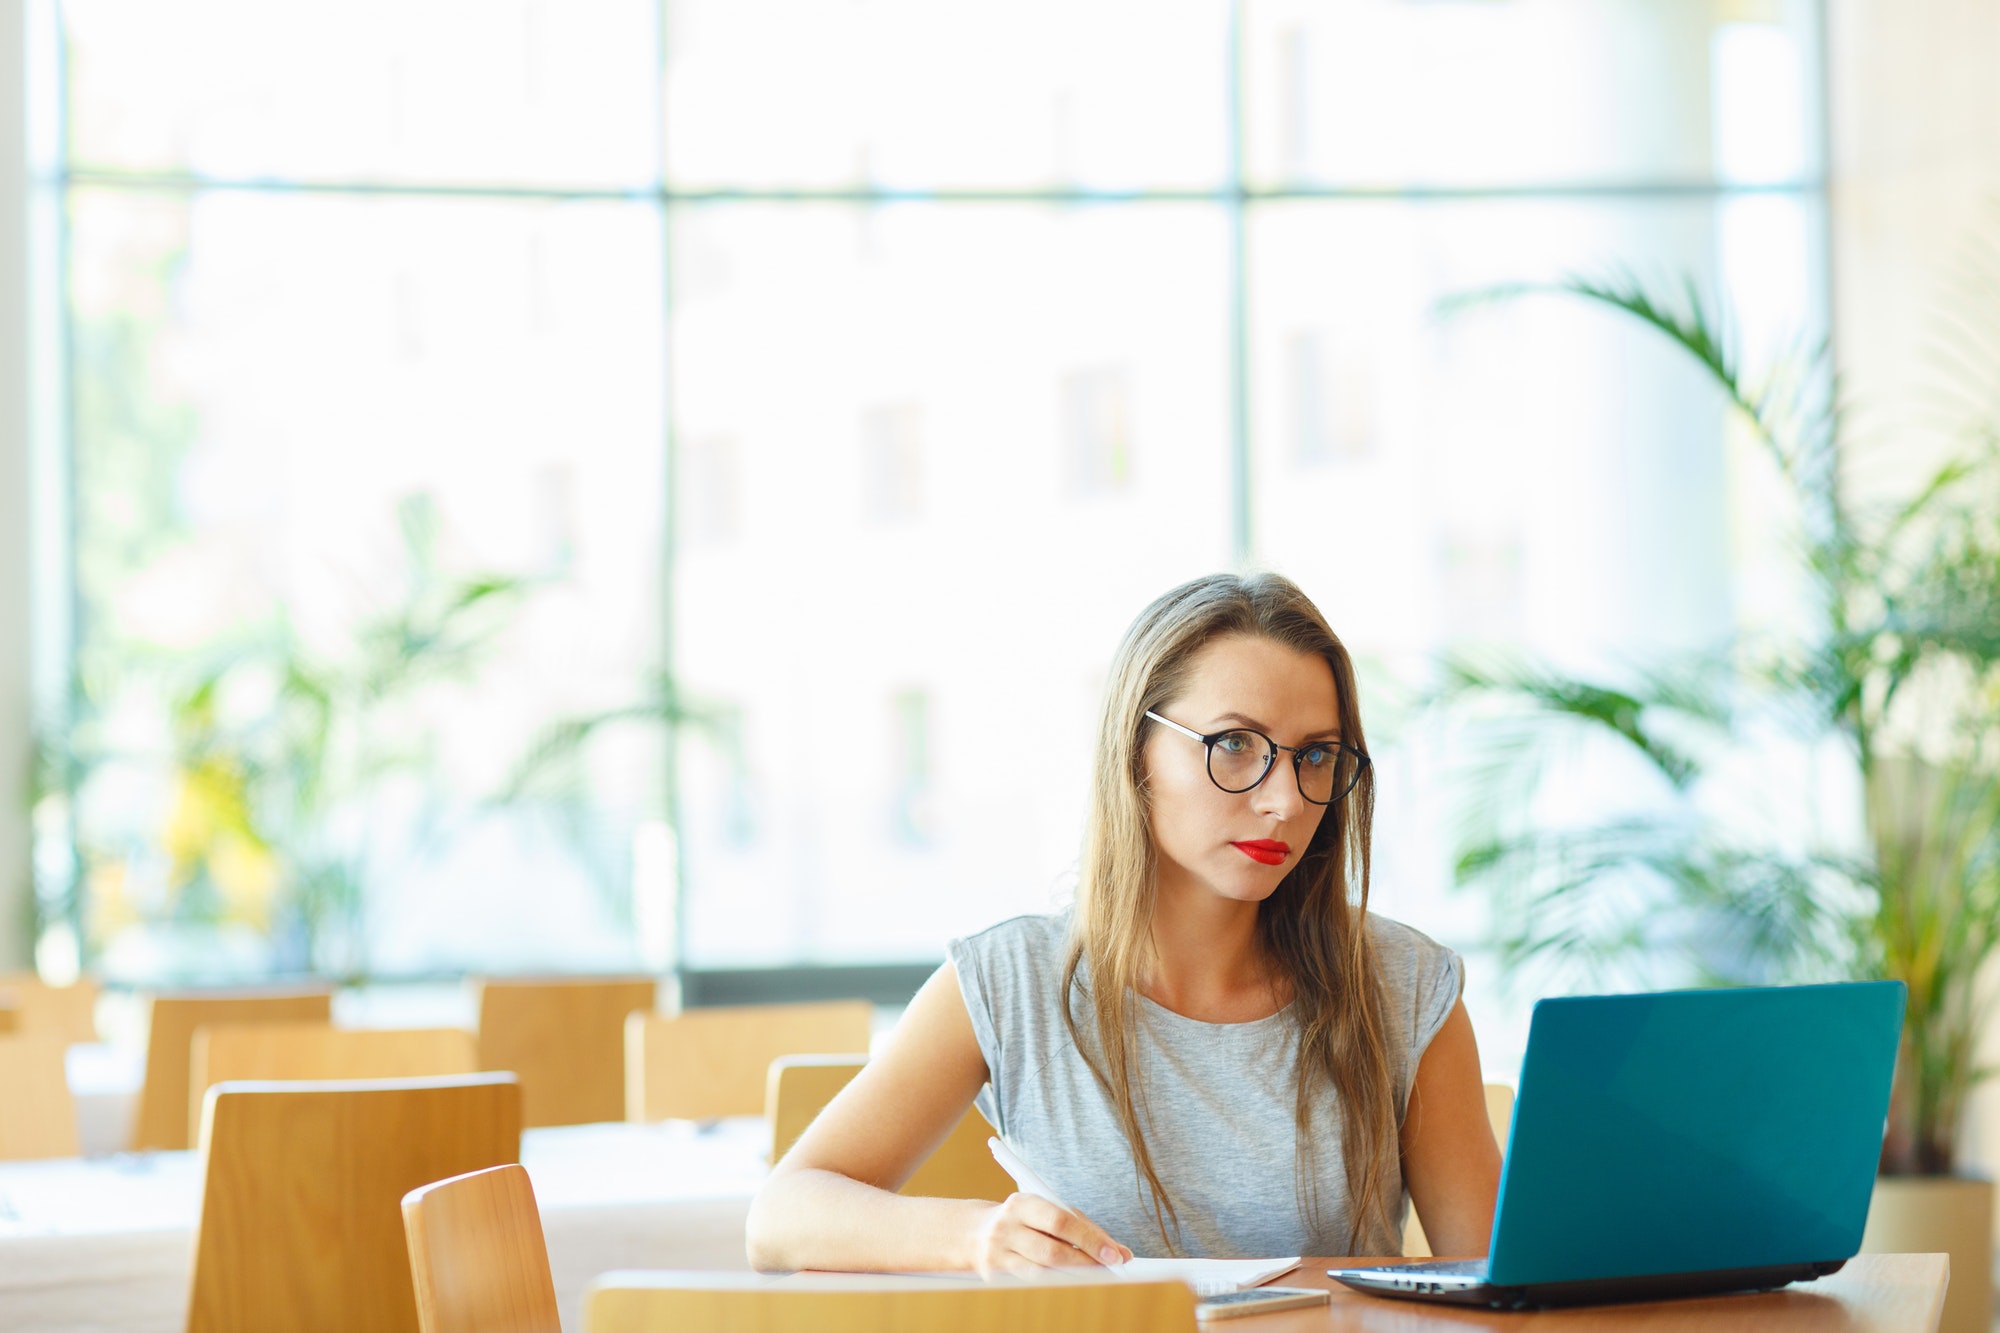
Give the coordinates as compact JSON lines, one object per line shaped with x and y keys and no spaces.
{"x":1311,"y":927}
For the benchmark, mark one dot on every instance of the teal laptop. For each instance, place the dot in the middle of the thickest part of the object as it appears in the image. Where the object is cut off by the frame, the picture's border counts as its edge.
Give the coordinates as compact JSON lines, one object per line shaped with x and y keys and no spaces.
{"x":1681,"y":1144}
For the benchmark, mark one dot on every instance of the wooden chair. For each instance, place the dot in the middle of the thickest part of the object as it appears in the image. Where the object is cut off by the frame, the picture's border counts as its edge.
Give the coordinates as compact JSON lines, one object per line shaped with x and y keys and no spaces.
{"x":565,"y":1038}
{"x":961,"y":1168}
{"x":703,"y":1064}
{"x":646,"y":1302}
{"x":66,"y":1012}
{"x":162,"y":1120}
{"x":1500,"y":1113}
{"x":478,"y":1257}
{"x":37,"y":1115}
{"x":302,"y":1187}
{"x":232,"y":1051}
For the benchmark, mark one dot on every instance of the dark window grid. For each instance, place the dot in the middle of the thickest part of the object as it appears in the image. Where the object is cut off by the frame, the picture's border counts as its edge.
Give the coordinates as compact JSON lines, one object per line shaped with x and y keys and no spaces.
{"x":1663,"y":189}
{"x":1234,"y":194}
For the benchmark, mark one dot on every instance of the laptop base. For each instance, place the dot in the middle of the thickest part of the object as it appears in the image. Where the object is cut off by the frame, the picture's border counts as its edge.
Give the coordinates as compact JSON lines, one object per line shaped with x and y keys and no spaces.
{"x":1456,"y":1284}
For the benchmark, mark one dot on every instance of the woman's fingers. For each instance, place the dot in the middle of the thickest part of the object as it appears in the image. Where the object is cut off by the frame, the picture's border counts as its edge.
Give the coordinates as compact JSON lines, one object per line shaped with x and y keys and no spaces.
{"x":1028,"y":1232}
{"x":1045,"y":1251}
{"x":1090,"y":1241}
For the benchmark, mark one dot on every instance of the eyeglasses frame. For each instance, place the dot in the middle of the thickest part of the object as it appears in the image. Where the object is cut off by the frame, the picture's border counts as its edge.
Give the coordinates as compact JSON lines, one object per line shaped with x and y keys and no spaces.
{"x":1271,"y":757}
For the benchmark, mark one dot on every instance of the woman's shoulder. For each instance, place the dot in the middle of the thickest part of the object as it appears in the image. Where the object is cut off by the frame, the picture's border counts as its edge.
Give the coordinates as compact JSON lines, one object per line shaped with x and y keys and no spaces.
{"x":1010,"y":976}
{"x":1394,"y":941}
{"x":1023,"y":945}
{"x":1421,"y":979}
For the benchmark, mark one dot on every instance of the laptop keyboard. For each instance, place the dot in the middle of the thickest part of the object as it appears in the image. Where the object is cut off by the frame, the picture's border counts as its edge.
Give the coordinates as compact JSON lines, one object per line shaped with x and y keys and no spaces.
{"x":1456,"y":1267}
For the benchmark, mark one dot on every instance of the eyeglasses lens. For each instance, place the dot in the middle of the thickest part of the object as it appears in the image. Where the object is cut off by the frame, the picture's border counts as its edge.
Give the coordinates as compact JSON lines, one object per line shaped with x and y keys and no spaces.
{"x":1239,"y":759}
{"x":1328,"y":773}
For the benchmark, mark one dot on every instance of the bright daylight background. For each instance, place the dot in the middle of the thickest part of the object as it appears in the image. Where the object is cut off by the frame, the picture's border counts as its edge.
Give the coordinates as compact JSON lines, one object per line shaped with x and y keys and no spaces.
{"x":862,"y":368}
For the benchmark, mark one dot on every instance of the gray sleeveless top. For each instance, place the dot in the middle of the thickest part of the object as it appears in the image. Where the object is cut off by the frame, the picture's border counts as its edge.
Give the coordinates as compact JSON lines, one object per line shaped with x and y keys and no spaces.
{"x":1218,"y":1098}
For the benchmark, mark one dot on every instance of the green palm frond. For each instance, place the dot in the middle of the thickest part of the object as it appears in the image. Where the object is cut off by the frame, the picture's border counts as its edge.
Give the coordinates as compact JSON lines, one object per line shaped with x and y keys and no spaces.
{"x":1690,"y":326}
{"x":1942,"y":484}
{"x":1610,"y":898}
{"x":1793,"y":408}
{"x":1901,"y":656}
{"x":550,"y":767}
{"x":1632,"y":714}
{"x":1963,"y":346}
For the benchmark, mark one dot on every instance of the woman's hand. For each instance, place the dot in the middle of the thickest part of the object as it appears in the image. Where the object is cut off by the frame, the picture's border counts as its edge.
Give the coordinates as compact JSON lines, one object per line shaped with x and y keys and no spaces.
{"x":1028,"y":1233}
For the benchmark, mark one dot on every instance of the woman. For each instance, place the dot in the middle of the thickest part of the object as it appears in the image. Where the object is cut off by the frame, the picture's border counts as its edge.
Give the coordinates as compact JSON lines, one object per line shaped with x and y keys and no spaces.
{"x":1218,"y":1051}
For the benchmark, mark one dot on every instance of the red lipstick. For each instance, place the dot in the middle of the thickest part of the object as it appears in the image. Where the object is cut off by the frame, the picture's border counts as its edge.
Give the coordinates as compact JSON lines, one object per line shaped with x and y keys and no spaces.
{"x":1264,"y":851}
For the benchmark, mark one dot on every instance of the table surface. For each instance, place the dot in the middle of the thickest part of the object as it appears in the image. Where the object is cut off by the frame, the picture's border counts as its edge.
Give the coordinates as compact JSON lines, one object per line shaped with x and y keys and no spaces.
{"x":1874,"y":1293}
{"x":107,"y":1242}
{"x":572,"y":1166}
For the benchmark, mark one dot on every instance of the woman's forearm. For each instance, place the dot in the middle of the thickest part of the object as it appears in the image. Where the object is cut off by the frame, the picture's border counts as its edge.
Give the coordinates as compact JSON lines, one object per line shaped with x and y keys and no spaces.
{"x":820,"y":1219}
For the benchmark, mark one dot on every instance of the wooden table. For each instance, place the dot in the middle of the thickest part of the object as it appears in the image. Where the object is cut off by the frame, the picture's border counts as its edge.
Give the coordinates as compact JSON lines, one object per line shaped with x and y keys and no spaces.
{"x":1874,"y":1293}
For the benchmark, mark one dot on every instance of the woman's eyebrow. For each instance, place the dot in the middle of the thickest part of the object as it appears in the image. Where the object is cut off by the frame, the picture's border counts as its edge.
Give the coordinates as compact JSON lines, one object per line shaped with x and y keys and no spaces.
{"x":1325,"y":733}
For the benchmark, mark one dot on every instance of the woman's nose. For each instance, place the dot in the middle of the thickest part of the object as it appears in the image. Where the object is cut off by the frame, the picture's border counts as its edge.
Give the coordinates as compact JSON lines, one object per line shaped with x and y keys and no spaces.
{"x":1279,"y":794}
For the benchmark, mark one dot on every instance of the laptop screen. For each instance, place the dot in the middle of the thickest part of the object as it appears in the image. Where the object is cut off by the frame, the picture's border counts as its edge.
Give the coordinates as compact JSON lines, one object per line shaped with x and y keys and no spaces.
{"x":1695,"y":1130}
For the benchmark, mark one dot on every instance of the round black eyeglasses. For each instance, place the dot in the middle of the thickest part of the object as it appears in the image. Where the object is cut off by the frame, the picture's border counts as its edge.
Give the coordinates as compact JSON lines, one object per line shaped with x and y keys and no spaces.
{"x":1242,"y":757}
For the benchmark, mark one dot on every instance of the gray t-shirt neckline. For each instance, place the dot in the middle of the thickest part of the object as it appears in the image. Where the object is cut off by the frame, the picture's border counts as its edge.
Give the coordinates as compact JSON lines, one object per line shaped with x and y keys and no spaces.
{"x":1279,"y":1019}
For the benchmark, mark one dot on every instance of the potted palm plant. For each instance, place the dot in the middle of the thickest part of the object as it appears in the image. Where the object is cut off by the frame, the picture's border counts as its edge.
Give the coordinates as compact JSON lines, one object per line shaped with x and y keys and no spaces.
{"x":271,"y":753}
{"x":1824,"y":802}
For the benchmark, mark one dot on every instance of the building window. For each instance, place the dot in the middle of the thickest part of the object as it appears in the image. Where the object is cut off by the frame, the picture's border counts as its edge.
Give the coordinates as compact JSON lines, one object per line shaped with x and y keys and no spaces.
{"x":1097,"y":430}
{"x":1294,"y":79}
{"x":1483,"y":599}
{"x":1332,"y":400}
{"x":809,"y":274}
{"x":713,"y":468}
{"x":910,"y":751}
{"x":891,"y":463}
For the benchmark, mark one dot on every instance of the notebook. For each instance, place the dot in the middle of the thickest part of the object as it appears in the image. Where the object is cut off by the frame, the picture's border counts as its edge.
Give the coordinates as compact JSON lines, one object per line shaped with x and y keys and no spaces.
{"x":1208,"y":1277}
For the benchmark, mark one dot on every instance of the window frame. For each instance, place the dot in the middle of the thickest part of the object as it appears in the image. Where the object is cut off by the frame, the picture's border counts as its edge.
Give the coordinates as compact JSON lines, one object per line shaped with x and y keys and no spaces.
{"x":52,"y":179}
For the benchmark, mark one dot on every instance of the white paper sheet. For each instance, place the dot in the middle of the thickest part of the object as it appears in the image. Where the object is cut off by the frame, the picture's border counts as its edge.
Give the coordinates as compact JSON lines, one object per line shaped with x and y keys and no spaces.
{"x":1208,"y":1276}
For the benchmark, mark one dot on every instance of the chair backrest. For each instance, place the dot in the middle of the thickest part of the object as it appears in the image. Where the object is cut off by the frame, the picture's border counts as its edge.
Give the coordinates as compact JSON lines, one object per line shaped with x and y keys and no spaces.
{"x":646,"y":1302}
{"x":797,"y":1088}
{"x":302,"y":1188}
{"x":1500,"y":1114}
{"x":66,"y":1012}
{"x":37,"y":1115}
{"x":961,"y":1168}
{"x":162,"y":1121}
{"x":477,"y":1255}
{"x":565,"y":1037}
{"x":232,"y":1051}
{"x":703,"y":1064}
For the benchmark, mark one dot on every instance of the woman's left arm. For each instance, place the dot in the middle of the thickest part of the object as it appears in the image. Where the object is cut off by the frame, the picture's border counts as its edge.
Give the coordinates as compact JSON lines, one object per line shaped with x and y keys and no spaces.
{"x":1451,"y":1164}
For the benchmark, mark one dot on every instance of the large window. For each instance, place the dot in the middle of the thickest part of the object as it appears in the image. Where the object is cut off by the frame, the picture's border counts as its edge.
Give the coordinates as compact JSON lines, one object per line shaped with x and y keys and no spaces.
{"x":867,"y":367}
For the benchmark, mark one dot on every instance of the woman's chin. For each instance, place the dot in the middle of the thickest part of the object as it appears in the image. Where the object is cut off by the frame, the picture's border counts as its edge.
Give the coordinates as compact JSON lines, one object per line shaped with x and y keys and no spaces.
{"x":1245,"y":888}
